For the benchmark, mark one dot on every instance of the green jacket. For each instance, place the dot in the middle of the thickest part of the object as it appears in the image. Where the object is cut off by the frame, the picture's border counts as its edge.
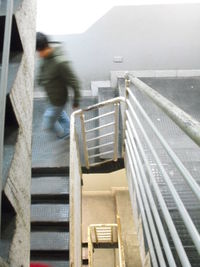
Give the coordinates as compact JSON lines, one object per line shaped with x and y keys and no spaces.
{"x":56,"y":76}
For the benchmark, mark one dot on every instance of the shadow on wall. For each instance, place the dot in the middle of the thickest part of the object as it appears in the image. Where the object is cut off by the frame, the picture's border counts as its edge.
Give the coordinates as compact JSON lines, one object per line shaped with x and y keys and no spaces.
{"x":11,"y":128}
{"x":8,"y":227}
{"x":16,"y":50}
{"x":11,"y":124}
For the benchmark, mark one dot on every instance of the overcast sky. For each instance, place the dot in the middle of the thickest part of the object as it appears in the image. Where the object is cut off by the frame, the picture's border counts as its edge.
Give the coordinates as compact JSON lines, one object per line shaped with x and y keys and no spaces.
{"x":76,"y":16}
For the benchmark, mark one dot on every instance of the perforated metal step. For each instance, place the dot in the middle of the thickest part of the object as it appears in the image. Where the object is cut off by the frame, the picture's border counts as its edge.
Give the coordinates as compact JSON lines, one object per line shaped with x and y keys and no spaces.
{"x":49,"y":241}
{"x":49,"y":213}
{"x":185,"y":93}
{"x":48,"y":150}
{"x":50,"y":217}
{"x":50,"y":189}
{"x":54,"y":263}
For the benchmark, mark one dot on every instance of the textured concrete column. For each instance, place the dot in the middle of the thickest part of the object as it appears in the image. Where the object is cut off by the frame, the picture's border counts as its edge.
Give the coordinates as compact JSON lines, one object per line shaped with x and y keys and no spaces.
{"x":17,"y":187}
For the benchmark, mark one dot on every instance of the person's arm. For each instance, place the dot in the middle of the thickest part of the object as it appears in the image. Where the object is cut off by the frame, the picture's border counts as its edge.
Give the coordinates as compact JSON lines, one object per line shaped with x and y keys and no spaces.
{"x":71,"y":80}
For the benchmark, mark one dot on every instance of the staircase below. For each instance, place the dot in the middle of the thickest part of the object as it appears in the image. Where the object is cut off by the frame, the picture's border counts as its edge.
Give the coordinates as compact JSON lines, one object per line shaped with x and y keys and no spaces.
{"x":101,"y":206}
{"x":50,"y":217}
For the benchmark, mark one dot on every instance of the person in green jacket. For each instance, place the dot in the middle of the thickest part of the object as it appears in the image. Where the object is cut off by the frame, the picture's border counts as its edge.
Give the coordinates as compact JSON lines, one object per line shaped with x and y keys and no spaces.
{"x":56,"y":76}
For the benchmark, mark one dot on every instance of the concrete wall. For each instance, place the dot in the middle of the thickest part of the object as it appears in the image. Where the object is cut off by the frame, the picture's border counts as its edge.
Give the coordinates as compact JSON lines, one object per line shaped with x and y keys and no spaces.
{"x":104,"y":181}
{"x":17,"y":187}
{"x":156,"y":37}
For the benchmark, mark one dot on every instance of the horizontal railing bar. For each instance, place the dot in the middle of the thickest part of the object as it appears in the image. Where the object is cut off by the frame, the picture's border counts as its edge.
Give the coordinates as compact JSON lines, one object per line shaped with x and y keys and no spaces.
{"x":103,"y":145}
{"x":141,"y":207}
{"x":103,"y":225}
{"x":103,"y":228}
{"x":188,"y":177}
{"x":188,"y":124}
{"x":182,"y":210}
{"x":184,"y":214}
{"x":104,"y":236}
{"x":167,"y":216}
{"x":100,"y":116}
{"x":99,"y":137}
{"x":148,"y":193}
{"x":101,"y":162}
{"x":100,"y":127}
{"x":112,"y":101}
{"x":104,"y":231}
{"x":99,"y":105}
{"x":101,"y":154}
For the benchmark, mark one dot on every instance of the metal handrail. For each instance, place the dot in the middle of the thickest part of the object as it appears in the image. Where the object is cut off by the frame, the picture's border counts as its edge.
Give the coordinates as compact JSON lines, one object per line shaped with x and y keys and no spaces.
{"x":3,"y":86}
{"x":172,"y":229}
{"x":188,"y":177}
{"x":113,"y":154}
{"x":120,"y":244}
{"x":188,"y":124}
{"x":75,"y":199}
{"x":138,"y":177}
{"x":185,"y":216}
{"x":132,"y":148}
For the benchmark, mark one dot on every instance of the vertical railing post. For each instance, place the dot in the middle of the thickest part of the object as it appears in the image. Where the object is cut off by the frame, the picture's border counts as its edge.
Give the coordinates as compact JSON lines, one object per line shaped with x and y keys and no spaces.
{"x":90,"y":247}
{"x":3,"y":86}
{"x":84,"y":141}
{"x":75,"y":199}
{"x":116,"y":106}
{"x":120,"y":244}
{"x":127,"y":85}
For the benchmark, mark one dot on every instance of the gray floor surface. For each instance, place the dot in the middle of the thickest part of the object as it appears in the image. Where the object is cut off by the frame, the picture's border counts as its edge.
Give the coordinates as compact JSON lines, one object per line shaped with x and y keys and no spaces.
{"x":185,"y":93}
{"x":47,"y":149}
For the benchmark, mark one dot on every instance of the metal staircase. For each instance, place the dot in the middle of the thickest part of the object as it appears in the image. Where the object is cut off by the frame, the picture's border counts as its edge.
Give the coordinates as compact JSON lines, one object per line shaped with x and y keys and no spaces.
{"x":50,"y":217}
{"x":106,"y":236}
{"x":167,"y":194}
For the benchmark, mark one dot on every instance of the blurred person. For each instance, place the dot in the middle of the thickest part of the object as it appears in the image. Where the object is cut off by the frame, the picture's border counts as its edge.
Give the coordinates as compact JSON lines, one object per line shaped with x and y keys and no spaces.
{"x":56,"y":76}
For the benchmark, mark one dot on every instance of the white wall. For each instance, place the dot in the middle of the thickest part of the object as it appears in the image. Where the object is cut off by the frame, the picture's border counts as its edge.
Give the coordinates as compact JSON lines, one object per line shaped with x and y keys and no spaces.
{"x":104,"y":181}
{"x":147,"y":37}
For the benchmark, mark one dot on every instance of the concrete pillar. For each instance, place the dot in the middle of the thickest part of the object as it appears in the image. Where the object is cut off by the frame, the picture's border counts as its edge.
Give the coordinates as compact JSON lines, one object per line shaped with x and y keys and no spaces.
{"x":17,"y":186}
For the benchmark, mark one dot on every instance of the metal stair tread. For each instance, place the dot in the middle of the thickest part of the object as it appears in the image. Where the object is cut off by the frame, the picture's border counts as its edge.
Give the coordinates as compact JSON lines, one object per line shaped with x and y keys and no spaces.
{"x":49,"y":241}
{"x":49,"y":213}
{"x":53,"y":263}
{"x":50,"y":185}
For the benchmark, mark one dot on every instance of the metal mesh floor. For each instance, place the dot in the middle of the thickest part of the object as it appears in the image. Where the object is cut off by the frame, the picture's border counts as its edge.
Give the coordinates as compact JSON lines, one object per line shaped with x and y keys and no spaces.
{"x":185,"y":93}
{"x":47,"y":149}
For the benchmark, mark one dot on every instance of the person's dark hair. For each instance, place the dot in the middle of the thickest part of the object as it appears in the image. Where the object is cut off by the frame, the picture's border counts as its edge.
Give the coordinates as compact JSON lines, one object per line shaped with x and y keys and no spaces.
{"x":41,"y":41}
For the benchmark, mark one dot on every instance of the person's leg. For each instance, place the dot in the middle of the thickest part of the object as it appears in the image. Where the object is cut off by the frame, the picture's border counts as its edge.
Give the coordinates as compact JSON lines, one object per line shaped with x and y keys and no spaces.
{"x":64,"y":122}
{"x":50,"y":120}
{"x":55,"y":118}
